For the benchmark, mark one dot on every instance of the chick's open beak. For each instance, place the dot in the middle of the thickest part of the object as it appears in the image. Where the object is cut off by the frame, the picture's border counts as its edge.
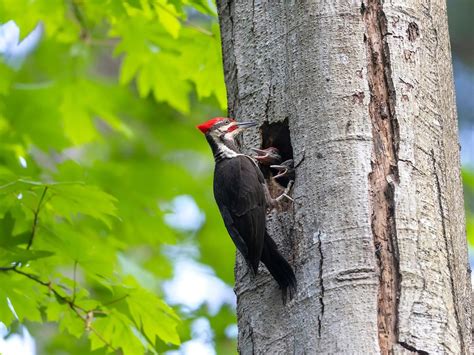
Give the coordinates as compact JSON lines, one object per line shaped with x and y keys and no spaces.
{"x":282,"y":170}
{"x":259,"y":151}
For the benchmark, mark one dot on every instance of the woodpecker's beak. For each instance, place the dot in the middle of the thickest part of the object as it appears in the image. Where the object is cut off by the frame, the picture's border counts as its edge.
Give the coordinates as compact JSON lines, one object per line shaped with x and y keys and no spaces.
{"x":246,"y":124}
{"x":282,"y":170}
{"x":236,"y":127}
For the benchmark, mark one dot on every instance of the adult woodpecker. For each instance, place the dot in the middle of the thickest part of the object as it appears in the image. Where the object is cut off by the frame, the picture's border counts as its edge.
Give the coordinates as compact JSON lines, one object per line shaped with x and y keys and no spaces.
{"x":240,"y":193}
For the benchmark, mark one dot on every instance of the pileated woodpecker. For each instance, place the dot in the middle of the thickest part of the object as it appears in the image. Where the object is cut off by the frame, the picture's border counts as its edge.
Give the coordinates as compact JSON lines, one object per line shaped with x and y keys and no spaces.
{"x":240,"y":193}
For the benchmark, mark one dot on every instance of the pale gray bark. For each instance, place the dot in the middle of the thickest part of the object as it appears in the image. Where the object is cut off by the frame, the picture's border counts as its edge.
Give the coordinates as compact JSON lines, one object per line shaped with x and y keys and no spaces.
{"x":376,"y":233}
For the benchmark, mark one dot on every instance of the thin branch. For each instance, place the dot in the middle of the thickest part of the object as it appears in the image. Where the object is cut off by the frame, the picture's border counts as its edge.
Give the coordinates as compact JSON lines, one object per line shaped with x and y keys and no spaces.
{"x":88,"y":325}
{"x":34,"y":278}
{"x":8,"y":268}
{"x":74,"y":307}
{"x":71,"y":303}
{"x":35,"y":220}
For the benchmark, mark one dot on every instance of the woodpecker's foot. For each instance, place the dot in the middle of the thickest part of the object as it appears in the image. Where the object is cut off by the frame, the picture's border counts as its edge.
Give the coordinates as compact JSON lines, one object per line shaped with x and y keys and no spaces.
{"x":286,"y":192}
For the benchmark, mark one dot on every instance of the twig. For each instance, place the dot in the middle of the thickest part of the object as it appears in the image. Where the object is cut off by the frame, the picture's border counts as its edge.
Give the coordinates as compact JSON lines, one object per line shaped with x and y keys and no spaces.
{"x":33,"y":230}
{"x":71,"y":303}
{"x":35,"y":220}
{"x":34,"y":278}
{"x":74,"y":307}
{"x":8,"y":268}
{"x":87,"y":322}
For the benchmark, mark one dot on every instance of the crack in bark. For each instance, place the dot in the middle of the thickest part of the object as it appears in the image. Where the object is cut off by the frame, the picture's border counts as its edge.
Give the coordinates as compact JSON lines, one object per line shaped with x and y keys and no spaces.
{"x":413,"y":349}
{"x":247,"y":344}
{"x":448,"y":248}
{"x":321,"y":284}
{"x":384,"y":174}
{"x":355,"y":274}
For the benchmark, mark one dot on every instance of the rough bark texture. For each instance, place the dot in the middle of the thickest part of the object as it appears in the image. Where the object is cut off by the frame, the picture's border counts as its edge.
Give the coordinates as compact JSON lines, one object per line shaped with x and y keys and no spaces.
{"x":376,"y":232}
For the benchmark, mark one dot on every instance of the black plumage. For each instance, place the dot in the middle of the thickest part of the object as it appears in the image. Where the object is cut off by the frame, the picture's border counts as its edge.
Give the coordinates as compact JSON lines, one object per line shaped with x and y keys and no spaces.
{"x":242,"y":205}
{"x":239,"y":193}
{"x":239,"y":190}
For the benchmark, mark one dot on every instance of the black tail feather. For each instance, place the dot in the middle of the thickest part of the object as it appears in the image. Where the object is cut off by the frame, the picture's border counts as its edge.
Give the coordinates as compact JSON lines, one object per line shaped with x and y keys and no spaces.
{"x":279,"y":268}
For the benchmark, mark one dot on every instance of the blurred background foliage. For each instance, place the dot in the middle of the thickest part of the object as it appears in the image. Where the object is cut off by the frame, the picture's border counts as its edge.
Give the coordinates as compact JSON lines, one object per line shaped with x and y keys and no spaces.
{"x":109,"y":234}
{"x":99,"y":159}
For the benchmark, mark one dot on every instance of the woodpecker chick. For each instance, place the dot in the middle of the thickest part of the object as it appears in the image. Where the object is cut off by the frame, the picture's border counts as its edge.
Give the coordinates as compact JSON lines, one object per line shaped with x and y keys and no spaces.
{"x":282,"y":182}
{"x":268,"y":156}
{"x":240,"y":192}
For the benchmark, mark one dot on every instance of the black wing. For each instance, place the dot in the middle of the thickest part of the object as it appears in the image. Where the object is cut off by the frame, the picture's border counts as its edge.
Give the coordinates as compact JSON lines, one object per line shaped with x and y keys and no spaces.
{"x":240,"y":196}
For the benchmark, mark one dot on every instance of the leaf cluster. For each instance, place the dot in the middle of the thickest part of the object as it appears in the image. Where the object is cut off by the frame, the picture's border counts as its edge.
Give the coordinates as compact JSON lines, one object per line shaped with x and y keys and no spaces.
{"x":96,"y":136}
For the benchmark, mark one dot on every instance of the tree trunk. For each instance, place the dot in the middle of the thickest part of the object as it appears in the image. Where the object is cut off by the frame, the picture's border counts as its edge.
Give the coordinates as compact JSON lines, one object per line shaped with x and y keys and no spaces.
{"x":376,"y":232}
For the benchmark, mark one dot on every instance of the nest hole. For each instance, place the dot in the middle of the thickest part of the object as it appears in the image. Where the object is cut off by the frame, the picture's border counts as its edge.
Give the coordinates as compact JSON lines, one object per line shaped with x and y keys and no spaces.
{"x":277,"y":135}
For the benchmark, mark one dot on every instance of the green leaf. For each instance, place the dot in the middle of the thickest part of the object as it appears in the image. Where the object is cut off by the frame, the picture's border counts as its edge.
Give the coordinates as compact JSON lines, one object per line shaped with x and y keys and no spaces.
{"x":6,"y":228}
{"x":71,"y":200}
{"x":54,"y":311}
{"x":10,"y":255}
{"x":153,"y":316}
{"x":160,"y":74}
{"x":77,"y":121}
{"x":70,"y":112}
{"x":130,"y":65}
{"x":7,"y":236}
{"x":94,"y":254}
{"x":168,"y":17}
{"x":70,"y":322}
{"x":202,"y":64}
{"x":22,"y":301}
{"x":203,"y":6}
{"x":6,"y":313}
{"x":134,"y":3}
{"x":115,"y":330}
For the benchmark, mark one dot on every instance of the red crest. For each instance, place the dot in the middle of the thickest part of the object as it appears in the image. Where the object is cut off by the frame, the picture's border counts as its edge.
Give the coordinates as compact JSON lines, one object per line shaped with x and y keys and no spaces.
{"x":206,"y":126}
